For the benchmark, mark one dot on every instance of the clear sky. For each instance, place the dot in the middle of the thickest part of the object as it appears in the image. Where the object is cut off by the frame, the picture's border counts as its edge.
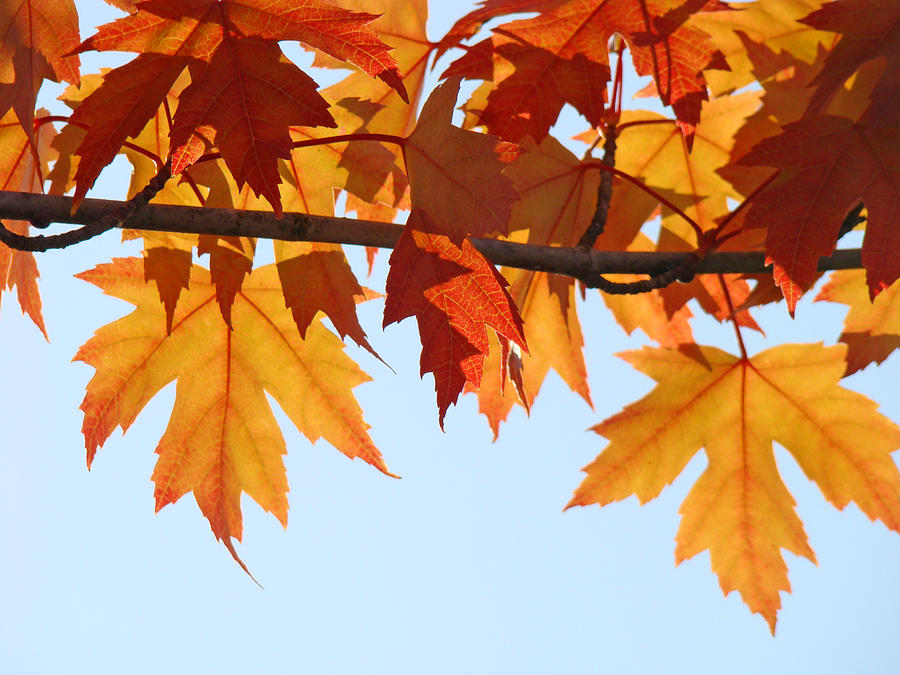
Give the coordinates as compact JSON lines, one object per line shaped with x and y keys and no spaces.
{"x":466,"y":565}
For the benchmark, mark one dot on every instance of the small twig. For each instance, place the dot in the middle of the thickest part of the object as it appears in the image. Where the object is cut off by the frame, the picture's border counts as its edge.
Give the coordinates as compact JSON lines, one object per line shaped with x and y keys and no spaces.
{"x":683,"y":271}
{"x":117,"y":218}
{"x":604,"y":192}
{"x":646,"y":188}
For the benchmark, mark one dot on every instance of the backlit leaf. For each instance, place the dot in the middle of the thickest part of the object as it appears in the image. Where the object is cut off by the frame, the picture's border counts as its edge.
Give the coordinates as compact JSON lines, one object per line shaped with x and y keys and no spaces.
{"x":735,"y":409}
{"x":222,"y":439}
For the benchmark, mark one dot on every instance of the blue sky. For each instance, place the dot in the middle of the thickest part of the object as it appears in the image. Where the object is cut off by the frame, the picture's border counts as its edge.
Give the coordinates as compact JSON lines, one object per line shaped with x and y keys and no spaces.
{"x":466,"y":565}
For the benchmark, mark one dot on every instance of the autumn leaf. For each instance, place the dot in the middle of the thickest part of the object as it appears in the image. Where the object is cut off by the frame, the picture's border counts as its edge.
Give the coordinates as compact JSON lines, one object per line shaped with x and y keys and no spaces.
{"x":222,"y":438}
{"x":128,"y":98}
{"x":361,"y":167}
{"x":402,"y":26}
{"x":558,"y":197}
{"x":653,"y":148}
{"x":471,"y":23}
{"x":317,"y":277}
{"x":457,"y":189}
{"x":648,"y":311}
{"x":869,"y":30}
{"x":455,"y":294}
{"x":872,"y":327}
{"x":37,"y":39}
{"x":774,"y":25}
{"x":531,"y":86}
{"x":198,"y":29}
{"x":244,"y":93}
{"x":833,"y":164}
{"x":19,"y":172}
{"x":574,"y":36}
{"x":455,"y":174}
{"x":736,"y":408}
{"x":244,"y":104}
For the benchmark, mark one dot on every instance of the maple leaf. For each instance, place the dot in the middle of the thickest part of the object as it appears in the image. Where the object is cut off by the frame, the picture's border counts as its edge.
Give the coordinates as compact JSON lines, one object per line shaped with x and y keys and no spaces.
{"x":872,"y":327}
{"x":736,"y":408}
{"x":19,"y":172}
{"x":244,"y":103}
{"x":471,"y":23}
{"x":37,"y":37}
{"x":558,"y":197}
{"x":197,"y":29}
{"x":317,"y":277}
{"x":833,"y":165}
{"x":654,"y":150}
{"x":454,"y":174}
{"x":244,"y":92}
{"x":531,"y":86}
{"x":869,"y":30}
{"x":773,"y":25}
{"x":455,"y":293}
{"x":128,"y":98}
{"x":222,"y":438}
{"x":578,"y":32}
{"x":402,"y":26}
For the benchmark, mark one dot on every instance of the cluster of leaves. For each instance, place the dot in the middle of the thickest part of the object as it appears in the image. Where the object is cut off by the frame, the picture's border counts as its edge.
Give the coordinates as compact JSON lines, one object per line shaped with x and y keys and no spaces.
{"x":776,"y":167}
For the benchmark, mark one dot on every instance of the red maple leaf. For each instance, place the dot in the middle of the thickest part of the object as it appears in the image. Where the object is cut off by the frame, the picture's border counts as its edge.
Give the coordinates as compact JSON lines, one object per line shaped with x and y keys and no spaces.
{"x":869,"y":29}
{"x":455,"y":293}
{"x":831,"y":165}
{"x":245,"y":92}
{"x":573,"y":38}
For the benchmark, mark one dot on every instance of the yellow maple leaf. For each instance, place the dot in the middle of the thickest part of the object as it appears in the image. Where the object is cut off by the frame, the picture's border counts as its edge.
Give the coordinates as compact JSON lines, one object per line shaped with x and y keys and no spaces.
{"x":735,"y":408}
{"x":222,"y":438}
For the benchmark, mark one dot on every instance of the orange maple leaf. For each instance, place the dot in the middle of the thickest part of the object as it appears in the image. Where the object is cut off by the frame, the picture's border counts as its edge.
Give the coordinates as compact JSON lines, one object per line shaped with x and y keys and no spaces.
{"x":19,"y":172}
{"x":471,"y":23}
{"x":455,"y":293}
{"x":222,"y":438}
{"x":558,"y":197}
{"x":531,"y":86}
{"x":871,"y":327}
{"x":736,"y":408}
{"x":317,"y":277}
{"x":37,"y":37}
{"x":402,"y":26}
{"x":749,"y":30}
{"x":457,"y":189}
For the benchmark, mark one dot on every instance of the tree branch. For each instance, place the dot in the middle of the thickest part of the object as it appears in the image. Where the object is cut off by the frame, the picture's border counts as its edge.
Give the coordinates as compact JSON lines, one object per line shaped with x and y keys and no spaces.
{"x":582,"y":264}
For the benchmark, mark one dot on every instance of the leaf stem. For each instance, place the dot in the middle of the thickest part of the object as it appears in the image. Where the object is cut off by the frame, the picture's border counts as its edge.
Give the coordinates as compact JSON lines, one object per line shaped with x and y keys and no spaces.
{"x":641,"y":123}
{"x":327,"y":140}
{"x":733,"y":316}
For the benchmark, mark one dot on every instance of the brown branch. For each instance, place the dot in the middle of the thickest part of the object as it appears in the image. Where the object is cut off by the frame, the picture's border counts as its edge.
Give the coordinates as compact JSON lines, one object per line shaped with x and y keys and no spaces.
{"x":581,"y":264}
{"x":110,"y":219}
